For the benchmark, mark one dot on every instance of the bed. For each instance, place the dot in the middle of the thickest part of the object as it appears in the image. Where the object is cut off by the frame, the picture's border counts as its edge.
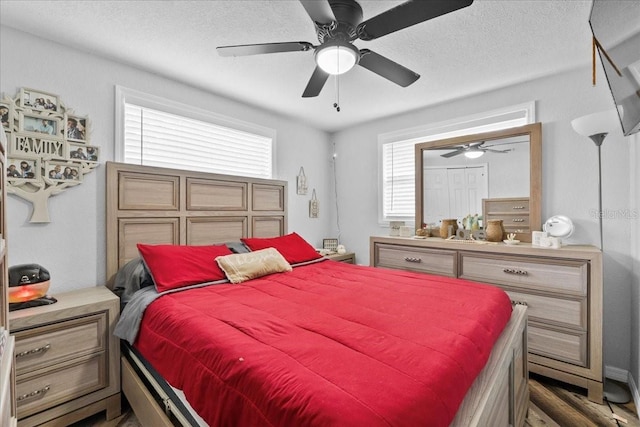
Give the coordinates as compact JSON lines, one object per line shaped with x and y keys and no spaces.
{"x":154,"y":206}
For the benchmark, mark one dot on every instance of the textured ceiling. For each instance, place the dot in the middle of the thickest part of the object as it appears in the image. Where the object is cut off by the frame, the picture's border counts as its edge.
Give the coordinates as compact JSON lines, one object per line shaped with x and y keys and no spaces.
{"x":492,"y":43}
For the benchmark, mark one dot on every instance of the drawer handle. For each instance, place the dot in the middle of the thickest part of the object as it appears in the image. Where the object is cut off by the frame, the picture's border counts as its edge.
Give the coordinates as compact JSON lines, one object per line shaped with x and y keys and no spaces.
{"x":518,"y":207}
{"x":34,"y":351}
{"x":519,"y":303}
{"x":515,"y":271}
{"x":412,"y":259}
{"x":33,"y":394}
{"x":517,"y":220}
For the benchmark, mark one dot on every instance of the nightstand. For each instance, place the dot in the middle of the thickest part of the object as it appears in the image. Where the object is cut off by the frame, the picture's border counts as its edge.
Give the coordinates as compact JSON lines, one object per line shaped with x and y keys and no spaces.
{"x":67,"y":358}
{"x":349,"y":257}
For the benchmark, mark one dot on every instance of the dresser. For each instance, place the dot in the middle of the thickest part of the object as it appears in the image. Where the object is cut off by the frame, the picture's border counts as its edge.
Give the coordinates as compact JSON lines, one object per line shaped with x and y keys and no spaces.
{"x":67,"y":358}
{"x":561,"y":287}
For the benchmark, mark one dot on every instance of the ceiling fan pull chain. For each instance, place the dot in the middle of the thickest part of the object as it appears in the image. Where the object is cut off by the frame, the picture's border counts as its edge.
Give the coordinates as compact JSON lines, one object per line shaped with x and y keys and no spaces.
{"x":336,"y":104}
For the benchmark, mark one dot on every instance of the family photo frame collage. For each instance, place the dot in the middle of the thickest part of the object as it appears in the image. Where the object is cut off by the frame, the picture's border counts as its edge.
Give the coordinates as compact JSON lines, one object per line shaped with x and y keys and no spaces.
{"x":48,"y":147}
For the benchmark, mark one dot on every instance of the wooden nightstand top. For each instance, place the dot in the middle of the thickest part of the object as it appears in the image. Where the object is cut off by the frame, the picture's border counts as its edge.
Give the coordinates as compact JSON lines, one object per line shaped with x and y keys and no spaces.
{"x":69,"y":304}
{"x":349,"y":257}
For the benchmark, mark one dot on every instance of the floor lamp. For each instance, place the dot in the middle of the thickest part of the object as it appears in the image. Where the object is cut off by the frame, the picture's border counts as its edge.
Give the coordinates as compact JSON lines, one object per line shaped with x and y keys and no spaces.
{"x":597,"y":126}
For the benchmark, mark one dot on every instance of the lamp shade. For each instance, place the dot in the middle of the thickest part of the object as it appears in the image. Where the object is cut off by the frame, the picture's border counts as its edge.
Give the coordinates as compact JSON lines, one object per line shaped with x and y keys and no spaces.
{"x":596,"y":123}
{"x":337,"y":57}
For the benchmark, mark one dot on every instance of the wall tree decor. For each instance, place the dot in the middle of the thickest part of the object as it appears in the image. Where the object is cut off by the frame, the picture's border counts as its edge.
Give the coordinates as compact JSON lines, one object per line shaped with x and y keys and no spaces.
{"x":48,"y":148}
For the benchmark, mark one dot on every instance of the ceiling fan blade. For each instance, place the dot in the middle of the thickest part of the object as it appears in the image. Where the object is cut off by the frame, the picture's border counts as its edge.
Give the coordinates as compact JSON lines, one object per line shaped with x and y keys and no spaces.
{"x":407,"y":14}
{"x":319,"y":11}
{"x":495,"y":151}
{"x":316,"y":83}
{"x":257,"y":49}
{"x":452,"y":154}
{"x":387,"y":68}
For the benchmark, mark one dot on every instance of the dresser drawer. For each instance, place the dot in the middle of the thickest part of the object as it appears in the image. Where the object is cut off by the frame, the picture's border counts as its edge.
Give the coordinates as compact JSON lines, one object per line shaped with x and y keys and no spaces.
{"x":42,"y":389}
{"x":564,"y":345}
{"x":49,"y":344}
{"x":561,"y":311}
{"x":416,"y":259}
{"x":505,"y":206}
{"x":557,"y":276}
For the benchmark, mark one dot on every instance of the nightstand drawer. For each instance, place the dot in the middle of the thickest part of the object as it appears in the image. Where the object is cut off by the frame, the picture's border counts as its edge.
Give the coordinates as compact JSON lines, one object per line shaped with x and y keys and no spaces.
{"x":42,"y":389}
{"x":558,"y":344}
{"x":564,"y":276}
{"x":49,"y":344}
{"x":432,"y":261}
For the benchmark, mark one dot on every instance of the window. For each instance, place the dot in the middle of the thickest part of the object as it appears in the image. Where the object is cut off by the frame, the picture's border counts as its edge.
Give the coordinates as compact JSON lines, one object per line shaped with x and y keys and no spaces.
{"x":397,"y":155}
{"x":158,"y":132}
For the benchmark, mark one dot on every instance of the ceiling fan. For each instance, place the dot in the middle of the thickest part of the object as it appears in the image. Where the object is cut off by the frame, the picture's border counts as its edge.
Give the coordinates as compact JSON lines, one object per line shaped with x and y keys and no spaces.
{"x":473,"y":150}
{"x":338,"y":23}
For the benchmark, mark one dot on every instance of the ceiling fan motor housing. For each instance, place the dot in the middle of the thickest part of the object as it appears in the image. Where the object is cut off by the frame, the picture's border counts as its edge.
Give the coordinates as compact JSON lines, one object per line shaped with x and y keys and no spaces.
{"x":348,"y":14}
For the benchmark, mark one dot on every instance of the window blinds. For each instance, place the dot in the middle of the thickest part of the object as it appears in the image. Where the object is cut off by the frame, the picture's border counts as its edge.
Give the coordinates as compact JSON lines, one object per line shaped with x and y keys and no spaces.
{"x":157,"y":138}
{"x":398,"y":179}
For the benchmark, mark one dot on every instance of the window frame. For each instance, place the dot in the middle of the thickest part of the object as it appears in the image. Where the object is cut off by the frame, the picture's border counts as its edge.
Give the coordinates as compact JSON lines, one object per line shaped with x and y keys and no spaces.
{"x":126,"y":95}
{"x":502,"y":118}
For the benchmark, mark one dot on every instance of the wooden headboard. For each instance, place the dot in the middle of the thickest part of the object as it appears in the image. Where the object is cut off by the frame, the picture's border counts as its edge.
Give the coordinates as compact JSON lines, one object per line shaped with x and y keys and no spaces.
{"x":169,"y":206}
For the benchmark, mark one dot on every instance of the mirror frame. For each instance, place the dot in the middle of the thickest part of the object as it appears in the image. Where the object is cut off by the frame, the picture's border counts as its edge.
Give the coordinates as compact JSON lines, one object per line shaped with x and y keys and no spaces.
{"x":534,"y":131}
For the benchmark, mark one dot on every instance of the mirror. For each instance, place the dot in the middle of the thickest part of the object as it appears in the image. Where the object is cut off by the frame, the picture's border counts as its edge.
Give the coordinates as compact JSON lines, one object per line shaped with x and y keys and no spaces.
{"x":496,"y":175}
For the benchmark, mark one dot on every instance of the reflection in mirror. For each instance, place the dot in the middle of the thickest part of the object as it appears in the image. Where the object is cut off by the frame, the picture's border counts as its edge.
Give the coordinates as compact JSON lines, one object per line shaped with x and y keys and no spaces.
{"x":494,"y":175}
{"x":458,"y":177}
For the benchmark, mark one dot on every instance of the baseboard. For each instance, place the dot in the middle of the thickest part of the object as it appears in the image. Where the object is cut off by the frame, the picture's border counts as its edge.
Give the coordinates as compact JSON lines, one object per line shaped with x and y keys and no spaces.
{"x":616,"y":374}
{"x":634,"y":393}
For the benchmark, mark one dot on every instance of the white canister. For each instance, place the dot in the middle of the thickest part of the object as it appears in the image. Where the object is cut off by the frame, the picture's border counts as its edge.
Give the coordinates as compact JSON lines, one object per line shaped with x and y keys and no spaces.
{"x":537,"y":236}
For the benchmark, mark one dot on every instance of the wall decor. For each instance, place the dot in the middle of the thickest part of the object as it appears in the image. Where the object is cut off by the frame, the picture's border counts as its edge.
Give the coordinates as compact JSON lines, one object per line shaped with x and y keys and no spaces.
{"x":301,"y":181}
{"x":48,"y":148}
{"x":314,"y":208}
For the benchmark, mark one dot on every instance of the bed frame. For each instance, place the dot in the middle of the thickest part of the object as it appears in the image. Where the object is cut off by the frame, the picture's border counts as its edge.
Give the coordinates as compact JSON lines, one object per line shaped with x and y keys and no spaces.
{"x":167,"y":206}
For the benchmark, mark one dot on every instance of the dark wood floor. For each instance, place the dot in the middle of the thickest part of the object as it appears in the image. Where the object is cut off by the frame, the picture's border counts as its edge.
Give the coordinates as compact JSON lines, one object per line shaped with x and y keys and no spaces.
{"x":552,"y":404}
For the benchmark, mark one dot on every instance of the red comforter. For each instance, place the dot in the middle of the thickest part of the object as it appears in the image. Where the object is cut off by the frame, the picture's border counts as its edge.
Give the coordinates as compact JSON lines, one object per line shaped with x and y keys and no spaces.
{"x":326,"y":344}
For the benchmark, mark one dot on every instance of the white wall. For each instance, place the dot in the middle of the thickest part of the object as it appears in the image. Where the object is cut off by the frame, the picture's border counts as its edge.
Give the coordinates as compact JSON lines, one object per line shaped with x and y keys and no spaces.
{"x":570,"y":179}
{"x":72,"y":246}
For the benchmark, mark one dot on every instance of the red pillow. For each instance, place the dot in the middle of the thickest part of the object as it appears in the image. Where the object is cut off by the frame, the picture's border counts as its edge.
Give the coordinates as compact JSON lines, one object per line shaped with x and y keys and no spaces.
{"x":175,"y":266}
{"x":292,"y":247}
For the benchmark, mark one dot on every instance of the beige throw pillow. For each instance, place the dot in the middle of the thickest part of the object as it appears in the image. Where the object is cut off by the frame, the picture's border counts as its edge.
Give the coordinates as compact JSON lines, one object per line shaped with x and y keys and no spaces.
{"x":242,"y":267}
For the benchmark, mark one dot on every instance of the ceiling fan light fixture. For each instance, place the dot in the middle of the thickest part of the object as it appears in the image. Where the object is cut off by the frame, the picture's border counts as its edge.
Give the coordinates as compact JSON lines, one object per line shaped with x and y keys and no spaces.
{"x":337,"y":57}
{"x":473,"y":154}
